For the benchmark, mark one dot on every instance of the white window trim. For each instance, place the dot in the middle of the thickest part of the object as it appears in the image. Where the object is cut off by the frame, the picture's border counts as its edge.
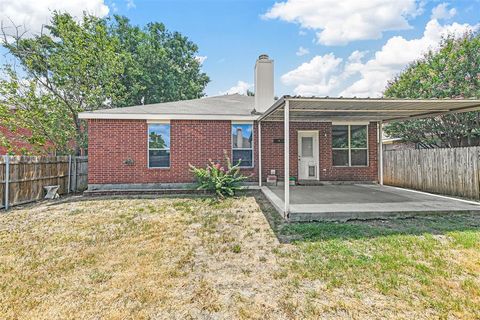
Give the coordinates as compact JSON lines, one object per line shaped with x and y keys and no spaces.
{"x":349,"y":148}
{"x":251,"y":148}
{"x":148,"y":145}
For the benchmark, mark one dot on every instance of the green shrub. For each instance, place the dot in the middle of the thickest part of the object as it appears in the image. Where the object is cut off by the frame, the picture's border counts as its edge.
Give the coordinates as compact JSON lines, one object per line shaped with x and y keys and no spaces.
{"x":224,"y":181}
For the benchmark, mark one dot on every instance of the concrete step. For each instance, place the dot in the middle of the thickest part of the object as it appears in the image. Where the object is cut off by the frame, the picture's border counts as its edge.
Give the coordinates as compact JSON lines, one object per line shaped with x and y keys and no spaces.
{"x":126,"y":192}
{"x":310,"y":183}
{"x":327,"y":183}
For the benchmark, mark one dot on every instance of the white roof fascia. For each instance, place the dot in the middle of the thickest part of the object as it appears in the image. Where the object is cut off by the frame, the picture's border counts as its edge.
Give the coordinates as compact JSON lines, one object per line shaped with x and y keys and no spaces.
{"x":346,"y":123}
{"x":140,"y":116}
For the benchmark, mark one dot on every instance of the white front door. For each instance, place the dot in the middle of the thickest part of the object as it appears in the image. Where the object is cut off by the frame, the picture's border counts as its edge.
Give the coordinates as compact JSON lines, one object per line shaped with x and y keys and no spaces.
{"x":308,"y":155}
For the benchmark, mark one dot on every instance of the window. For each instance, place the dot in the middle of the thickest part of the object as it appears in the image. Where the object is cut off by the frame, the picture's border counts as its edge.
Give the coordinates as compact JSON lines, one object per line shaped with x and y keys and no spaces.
{"x":159,"y":145}
{"x":242,"y":144}
{"x":350,"y":145}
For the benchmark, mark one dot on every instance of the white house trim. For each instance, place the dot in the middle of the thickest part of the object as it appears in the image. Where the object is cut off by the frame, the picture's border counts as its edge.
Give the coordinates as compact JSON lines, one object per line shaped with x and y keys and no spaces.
{"x":351,"y":123}
{"x":158,"y":121}
{"x":143,"y":116}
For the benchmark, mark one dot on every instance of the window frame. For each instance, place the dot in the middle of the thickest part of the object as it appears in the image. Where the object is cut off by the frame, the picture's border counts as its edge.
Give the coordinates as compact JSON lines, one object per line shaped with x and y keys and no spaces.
{"x":148,"y":145}
{"x":349,"y":148}
{"x":232,"y":123}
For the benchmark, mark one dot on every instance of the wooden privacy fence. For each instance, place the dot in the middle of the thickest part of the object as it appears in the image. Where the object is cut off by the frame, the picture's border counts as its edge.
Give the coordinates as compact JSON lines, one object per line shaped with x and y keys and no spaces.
{"x":454,"y":171}
{"x":22,"y":178}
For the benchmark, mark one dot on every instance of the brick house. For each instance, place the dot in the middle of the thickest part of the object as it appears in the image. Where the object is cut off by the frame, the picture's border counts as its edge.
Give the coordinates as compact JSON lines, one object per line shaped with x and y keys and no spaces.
{"x":330,"y":139}
{"x":15,"y":139}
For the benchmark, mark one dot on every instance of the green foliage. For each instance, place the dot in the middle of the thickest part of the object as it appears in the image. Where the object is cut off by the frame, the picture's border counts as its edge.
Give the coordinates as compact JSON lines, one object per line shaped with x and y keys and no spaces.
{"x":216,"y":178}
{"x":35,"y":119}
{"x":236,"y":248}
{"x":74,"y":67}
{"x":161,"y":65}
{"x":89,"y":65}
{"x":451,"y":72}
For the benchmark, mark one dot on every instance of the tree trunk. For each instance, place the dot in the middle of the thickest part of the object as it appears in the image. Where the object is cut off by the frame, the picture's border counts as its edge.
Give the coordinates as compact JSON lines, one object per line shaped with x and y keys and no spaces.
{"x":79,"y":133}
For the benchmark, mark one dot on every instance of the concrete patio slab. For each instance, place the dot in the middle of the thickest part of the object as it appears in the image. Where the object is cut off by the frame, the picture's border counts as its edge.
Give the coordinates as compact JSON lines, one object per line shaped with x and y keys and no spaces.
{"x":361,"y":201}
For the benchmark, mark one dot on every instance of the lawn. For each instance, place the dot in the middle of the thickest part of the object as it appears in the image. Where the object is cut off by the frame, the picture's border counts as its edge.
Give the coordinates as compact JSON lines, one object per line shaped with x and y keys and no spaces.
{"x":193,"y":257}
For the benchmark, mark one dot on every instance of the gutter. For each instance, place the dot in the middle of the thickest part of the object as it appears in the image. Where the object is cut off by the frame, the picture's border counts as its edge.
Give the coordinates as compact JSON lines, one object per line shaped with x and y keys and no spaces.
{"x":144,"y":116}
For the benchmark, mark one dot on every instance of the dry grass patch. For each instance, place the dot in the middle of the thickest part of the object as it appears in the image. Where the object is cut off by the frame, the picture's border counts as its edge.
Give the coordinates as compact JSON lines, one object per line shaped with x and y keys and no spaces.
{"x":135,"y":258}
{"x":80,"y":259}
{"x":195,"y":258}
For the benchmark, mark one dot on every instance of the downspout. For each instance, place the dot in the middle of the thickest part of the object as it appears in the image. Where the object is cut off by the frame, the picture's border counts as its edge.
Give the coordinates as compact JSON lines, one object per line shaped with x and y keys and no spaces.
{"x":380,"y":152}
{"x":259,"y":135}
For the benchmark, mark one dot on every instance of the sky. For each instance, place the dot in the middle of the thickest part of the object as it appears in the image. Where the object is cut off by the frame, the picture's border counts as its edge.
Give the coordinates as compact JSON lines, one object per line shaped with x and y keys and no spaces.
{"x":320,"y":47}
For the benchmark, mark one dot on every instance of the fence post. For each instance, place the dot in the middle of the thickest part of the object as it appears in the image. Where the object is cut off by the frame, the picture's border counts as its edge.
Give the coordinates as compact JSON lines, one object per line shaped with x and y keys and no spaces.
{"x":478,"y":171}
{"x":69,"y":172}
{"x":7,"y":178}
{"x":75,"y":178}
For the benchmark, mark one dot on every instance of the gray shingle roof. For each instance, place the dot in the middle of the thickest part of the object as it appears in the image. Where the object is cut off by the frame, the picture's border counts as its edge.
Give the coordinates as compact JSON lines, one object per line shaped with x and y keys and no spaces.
{"x":234,"y":104}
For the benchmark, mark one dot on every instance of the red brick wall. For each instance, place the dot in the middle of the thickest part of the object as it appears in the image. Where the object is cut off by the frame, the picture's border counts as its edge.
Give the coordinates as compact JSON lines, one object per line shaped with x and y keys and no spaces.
{"x":111,"y":142}
{"x":272,"y":153}
{"x":19,"y":145}
{"x":194,"y":142}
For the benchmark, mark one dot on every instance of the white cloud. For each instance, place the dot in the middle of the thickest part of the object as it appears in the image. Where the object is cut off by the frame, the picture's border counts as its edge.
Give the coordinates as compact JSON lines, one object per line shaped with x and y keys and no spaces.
{"x":130,"y":4}
{"x":302,"y":51}
{"x":339,"y":22}
{"x":241,"y":88}
{"x":395,"y":55}
{"x":357,"y":56}
{"x":442,"y":12}
{"x":33,"y":14}
{"x":319,"y":76}
{"x":201,"y":59}
{"x":331,"y":75}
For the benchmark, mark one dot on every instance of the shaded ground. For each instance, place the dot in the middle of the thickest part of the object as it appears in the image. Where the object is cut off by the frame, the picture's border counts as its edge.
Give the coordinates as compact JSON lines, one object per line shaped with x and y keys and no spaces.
{"x":180,"y":258}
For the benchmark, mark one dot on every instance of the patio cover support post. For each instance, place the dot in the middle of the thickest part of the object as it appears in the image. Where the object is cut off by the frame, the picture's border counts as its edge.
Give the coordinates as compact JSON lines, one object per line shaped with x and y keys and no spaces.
{"x":380,"y":152}
{"x":287,"y":158}
{"x":259,"y":153}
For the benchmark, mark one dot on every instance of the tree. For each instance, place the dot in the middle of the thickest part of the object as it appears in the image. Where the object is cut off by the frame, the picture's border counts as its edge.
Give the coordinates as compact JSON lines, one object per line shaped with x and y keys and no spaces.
{"x":36,"y":119}
{"x":453,"y":71}
{"x":70,"y":68}
{"x":77,"y":66}
{"x":162,"y":65}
